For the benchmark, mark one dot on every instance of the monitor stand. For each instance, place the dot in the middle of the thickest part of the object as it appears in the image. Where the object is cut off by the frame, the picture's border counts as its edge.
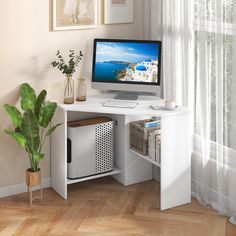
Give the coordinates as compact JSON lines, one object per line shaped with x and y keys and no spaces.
{"x":126,"y":96}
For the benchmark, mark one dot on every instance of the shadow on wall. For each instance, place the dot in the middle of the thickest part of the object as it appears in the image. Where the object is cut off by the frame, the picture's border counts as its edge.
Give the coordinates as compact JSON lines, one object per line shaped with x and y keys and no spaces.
{"x":37,"y":74}
{"x":34,"y":70}
{"x":11,"y":98}
{"x":10,"y":150}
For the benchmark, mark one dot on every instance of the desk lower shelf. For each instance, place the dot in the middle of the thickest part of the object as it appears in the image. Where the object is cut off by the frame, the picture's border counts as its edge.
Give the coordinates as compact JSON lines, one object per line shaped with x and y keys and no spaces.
{"x":147,"y":158}
{"x":114,"y":172}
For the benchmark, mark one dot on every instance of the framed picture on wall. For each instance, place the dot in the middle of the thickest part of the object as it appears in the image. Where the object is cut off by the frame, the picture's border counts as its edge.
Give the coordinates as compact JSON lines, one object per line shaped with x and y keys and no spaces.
{"x":74,"y":14}
{"x":118,"y":11}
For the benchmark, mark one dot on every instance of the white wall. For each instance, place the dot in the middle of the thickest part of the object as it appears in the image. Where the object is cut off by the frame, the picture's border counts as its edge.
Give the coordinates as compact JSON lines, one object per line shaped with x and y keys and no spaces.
{"x":27,"y":46}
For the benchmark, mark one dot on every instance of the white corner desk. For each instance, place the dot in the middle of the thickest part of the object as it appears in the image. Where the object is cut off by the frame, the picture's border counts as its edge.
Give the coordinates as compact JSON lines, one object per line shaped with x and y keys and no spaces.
{"x":131,"y":167}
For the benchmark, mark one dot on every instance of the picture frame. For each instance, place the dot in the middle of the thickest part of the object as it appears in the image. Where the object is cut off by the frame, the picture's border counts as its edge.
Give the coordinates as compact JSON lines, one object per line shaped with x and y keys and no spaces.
{"x":118,"y":11}
{"x":74,"y":14}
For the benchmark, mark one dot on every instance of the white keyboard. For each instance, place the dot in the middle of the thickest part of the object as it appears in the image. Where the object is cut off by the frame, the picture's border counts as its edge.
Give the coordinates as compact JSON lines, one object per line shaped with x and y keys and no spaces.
{"x":120,"y":104}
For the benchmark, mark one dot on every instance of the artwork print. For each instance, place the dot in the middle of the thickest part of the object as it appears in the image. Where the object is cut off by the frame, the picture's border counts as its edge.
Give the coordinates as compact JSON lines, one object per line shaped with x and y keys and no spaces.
{"x":118,"y":11}
{"x":74,"y":14}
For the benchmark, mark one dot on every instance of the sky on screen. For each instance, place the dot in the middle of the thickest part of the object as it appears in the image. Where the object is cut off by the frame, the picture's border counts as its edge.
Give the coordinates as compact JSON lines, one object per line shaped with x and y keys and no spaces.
{"x":127,"y":52}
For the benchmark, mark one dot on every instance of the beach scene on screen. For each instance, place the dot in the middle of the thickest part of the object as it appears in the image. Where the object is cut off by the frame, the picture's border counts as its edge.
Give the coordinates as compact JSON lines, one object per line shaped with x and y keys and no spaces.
{"x":126,"y":61}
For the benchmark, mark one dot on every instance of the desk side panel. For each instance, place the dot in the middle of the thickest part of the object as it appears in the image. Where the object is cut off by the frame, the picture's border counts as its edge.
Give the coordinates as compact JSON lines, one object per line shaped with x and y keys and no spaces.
{"x":119,"y":142}
{"x":134,"y":169}
{"x":58,"y":154}
{"x":175,"y":161}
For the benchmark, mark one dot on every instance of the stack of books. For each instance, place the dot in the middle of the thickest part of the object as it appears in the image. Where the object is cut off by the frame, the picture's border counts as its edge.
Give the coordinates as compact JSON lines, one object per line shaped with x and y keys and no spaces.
{"x":154,"y":140}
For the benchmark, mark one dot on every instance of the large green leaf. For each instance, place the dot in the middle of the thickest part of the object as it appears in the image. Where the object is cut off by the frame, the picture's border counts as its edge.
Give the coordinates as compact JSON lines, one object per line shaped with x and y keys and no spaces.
{"x":28,"y":97}
{"x":30,"y":130}
{"x":40,"y":101}
{"x":15,"y":115}
{"x":52,"y":129}
{"x":46,"y":113}
{"x":18,"y":137}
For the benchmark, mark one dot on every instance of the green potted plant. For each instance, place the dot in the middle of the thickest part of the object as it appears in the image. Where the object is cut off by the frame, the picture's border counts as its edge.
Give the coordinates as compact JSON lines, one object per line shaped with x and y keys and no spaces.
{"x":31,"y":128}
{"x":68,"y":68}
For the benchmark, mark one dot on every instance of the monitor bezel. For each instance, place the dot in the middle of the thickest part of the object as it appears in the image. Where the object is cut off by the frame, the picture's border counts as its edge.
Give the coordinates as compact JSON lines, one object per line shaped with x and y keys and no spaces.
{"x":127,"y":82}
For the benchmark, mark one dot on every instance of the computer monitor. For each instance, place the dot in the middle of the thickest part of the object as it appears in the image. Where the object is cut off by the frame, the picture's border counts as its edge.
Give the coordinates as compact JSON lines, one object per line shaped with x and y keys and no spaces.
{"x":130,"y":66}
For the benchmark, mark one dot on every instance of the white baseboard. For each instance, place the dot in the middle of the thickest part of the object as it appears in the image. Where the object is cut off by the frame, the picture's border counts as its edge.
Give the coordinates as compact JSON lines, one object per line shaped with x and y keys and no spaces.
{"x":21,"y":188}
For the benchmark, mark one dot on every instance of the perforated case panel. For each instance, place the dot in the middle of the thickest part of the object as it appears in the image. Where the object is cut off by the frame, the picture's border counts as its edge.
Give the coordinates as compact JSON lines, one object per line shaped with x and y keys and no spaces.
{"x":104,"y":147}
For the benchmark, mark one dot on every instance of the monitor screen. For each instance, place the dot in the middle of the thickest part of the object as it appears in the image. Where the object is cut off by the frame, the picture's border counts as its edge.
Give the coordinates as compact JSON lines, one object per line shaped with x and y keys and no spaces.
{"x":127,"y":61}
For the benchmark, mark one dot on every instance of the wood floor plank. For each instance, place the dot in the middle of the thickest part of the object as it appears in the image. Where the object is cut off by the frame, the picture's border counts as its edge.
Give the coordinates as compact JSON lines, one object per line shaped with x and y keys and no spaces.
{"x":230,"y":230}
{"x":11,"y":228}
{"x":104,"y":207}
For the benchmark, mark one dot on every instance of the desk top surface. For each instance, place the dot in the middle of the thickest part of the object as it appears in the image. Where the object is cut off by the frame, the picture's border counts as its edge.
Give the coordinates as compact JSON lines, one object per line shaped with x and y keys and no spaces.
{"x":94,"y":104}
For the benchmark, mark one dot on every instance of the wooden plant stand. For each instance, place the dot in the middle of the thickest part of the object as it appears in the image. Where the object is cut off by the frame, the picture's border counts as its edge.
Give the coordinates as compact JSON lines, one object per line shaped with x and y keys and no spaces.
{"x":34,"y":179}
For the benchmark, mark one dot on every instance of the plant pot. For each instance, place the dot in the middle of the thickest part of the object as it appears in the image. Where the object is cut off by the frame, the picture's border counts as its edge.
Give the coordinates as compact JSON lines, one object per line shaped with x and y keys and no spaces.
{"x":33,"y":178}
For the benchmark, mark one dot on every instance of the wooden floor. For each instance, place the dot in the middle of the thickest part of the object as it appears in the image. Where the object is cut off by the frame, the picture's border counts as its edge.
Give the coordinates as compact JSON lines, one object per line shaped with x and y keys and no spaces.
{"x":106,"y":208}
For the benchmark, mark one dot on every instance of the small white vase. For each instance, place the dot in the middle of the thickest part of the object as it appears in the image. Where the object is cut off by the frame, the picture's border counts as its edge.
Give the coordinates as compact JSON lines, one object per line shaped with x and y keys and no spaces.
{"x":81,"y":93}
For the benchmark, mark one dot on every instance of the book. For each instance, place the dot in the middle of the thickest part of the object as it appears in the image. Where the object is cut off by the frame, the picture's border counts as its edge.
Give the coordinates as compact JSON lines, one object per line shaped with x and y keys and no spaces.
{"x":152,"y":124}
{"x":151,"y":146}
{"x":154,"y":145}
{"x":158,"y":148}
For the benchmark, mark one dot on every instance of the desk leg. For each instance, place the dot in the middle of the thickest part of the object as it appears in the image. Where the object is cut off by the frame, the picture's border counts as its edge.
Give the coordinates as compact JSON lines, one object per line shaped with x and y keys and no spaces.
{"x":59,"y":154}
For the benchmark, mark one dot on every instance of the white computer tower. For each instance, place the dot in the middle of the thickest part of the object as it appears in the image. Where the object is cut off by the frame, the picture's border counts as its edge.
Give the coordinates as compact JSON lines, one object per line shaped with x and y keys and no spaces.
{"x":90,"y":145}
